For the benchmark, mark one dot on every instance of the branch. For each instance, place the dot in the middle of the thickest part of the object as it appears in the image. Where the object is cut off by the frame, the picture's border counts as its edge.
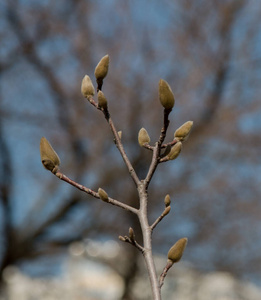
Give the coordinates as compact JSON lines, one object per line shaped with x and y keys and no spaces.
{"x":157,"y":148}
{"x":94,"y":194}
{"x":165,"y":212}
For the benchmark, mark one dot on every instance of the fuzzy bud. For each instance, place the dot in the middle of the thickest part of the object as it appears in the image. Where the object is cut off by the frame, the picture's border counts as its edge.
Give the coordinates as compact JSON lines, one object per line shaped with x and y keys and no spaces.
{"x":166,"y":96}
{"x":49,"y":157}
{"x":166,"y":211}
{"x":167,"y":200}
{"x":143,"y":137}
{"x":182,"y":133}
{"x":176,"y":251}
{"x":102,"y":101}
{"x":102,"y":68}
{"x":87,"y":87}
{"x":103,"y":195}
{"x":175,"y":151}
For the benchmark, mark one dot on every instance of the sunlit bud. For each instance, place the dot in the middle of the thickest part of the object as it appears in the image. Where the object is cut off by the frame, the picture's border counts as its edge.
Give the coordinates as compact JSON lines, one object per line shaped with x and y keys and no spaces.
{"x":143,"y":137}
{"x":49,"y":157}
{"x":182,"y":133}
{"x":103,"y":195}
{"x":87,"y":87}
{"x":102,"y":68}
{"x":176,"y":251}
{"x":102,"y":101}
{"x":175,"y":151}
{"x":166,"y":95}
{"x":166,"y":211}
{"x":167,"y":200}
{"x":120,"y":134}
{"x":131,"y":234}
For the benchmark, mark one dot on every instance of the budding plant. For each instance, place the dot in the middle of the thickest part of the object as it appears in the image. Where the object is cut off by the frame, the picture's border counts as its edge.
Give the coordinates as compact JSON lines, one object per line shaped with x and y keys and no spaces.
{"x":161,"y":152}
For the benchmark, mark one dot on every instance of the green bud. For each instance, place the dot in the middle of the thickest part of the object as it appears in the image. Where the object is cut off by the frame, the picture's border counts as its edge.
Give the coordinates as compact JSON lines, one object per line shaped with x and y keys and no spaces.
{"x":102,"y":68}
{"x":87,"y":87}
{"x":166,"y":95}
{"x":182,"y":133}
{"x":175,"y":151}
{"x":49,"y":157}
{"x":167,"y":200}
{"x":102,"y":101}
{"x":143,"y":137}
{"x":166,"y":211}
{"x":103,"y":195}
{"x":176,"y":251}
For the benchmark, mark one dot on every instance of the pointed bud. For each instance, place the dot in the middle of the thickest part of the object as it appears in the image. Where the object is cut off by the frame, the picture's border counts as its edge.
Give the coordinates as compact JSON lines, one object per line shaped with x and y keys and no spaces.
{"x":49,"y":157}
{"x":131,"y":234}
{"x":103,"y":195}
{"x":176,"y":251}
{"x":175,"y":151}
{"x":102,"y":101}
{"x":143,"y":137}
{"x":87,"y":87}
{"x":120,"y":134}
{"x":182,"y":133}
{"x":166,"y":95}
{"x":167,"y":200}
{"x":102,"y":68}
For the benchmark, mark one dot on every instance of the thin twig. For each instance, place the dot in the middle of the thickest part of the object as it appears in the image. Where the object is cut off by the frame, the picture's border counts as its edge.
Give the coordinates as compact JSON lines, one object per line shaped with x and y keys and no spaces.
{"x":164,"y":214}
{"x":122,"y":151}
{"x":126,"y":239}
{"x":157,"y":148}
{"x":164,"y":273}
{"x":94,"y":194}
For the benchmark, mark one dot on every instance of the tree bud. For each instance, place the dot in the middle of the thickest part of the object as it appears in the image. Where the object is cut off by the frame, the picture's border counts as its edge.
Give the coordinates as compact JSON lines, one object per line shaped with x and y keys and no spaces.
{"x":182,"y":133}
{"x":176,"y":251}
{"x":103,"y":195}
{"x":120,"y":134}
{"x":131,"y":234}
{"x":102,"y":101}
{"x":101,"y":69}
{"x":143,"y":137}
{"x":167,"y":200}
{"x":166,"y":211}
{"x":175,"y":151}
{"x":49,"y":157}
{"x":166,"y":95}
{"x":87,"y":87}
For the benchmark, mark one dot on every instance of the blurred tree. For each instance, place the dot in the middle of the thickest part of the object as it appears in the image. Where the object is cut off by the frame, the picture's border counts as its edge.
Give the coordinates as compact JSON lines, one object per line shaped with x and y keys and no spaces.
{"x":207,"y":51}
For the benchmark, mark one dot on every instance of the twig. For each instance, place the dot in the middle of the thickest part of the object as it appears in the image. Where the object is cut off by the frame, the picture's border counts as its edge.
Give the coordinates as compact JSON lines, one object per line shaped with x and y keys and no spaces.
{"x":94,"y":194}
{"x":132,"y":242}
{"x":122,"y":151}
{"x":157,"y":148}
{"x":164,"y":273}
{"x":164,"y":213}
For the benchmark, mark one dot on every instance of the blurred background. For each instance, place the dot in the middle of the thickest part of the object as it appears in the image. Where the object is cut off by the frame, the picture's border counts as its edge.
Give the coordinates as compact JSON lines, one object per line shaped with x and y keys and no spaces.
{"x":209,"y":52}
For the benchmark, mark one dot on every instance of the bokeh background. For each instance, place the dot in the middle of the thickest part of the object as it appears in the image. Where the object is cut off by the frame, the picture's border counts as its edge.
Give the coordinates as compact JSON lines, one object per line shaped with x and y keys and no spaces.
{"x":208,"y":51}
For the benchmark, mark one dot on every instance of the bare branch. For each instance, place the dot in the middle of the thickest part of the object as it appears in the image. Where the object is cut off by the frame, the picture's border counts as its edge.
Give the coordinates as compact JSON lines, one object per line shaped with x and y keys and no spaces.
{"x":164,"y":273}
{"x":165,"y":212}
{"x":94,"y":194}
